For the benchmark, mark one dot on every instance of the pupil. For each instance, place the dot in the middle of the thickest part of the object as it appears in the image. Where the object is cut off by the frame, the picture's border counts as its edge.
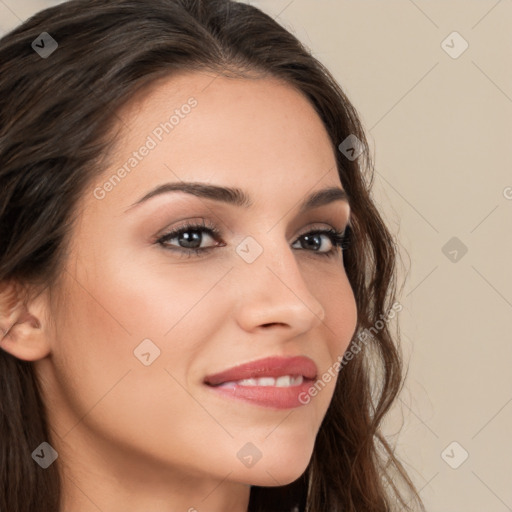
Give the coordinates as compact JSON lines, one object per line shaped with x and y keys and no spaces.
{"x":192,"y":241}
{"x":315,"y":239}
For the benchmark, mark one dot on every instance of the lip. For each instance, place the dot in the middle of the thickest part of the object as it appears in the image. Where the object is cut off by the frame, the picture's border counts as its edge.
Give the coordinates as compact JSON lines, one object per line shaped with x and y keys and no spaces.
{"x":266,"y":396}
{"x":267,"y":367}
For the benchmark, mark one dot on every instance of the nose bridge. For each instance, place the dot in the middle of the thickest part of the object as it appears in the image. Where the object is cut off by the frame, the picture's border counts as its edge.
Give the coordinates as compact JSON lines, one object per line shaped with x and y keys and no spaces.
{"x":274,"y":288}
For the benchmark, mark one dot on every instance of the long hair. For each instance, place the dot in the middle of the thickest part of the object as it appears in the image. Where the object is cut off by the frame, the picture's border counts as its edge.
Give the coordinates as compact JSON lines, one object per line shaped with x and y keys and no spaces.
{"x":57,"y":112}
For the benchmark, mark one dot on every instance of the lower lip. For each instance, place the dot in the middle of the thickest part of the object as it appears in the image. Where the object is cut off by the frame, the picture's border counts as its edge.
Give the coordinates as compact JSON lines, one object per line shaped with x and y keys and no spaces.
{"x":269,"y":396}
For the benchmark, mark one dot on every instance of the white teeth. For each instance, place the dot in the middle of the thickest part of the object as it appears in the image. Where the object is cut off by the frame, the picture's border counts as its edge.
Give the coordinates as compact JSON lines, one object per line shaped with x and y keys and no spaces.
{"x":287,"y":380}
{"x":266,"y":381}
{"x":284,"y":381}
{"x":247,"y":382}
{"x":297,"y":381}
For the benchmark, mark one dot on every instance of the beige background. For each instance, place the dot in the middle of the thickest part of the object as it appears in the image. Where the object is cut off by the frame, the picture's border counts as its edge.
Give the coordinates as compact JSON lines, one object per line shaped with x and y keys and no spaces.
{"x":440,"y":128}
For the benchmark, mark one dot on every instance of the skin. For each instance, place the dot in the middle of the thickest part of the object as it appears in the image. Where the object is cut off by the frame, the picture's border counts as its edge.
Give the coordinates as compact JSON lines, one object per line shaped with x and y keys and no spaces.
{"x":132,"y":437}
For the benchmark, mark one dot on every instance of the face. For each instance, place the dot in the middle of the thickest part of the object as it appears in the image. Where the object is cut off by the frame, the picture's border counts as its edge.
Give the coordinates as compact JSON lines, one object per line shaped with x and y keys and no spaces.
{"x":153,"y":307}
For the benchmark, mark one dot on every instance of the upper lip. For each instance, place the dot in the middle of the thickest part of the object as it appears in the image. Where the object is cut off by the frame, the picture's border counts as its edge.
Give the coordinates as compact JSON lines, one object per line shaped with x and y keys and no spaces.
{"x":267,"y":367}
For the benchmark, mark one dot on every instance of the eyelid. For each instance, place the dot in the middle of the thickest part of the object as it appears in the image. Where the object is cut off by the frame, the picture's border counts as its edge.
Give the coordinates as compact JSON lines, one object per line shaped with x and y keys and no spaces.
{"x":207,"y":225}
{"x":320,"y":226}
{"x":196,"y":222}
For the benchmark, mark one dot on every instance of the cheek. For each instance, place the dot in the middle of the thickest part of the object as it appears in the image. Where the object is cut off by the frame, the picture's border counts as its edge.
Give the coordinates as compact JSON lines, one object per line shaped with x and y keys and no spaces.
{"x":335,"y":293}
{"x":103,"y":387}
{"x":340,"y":325}
{"x":123,"y":314}
{"x":156,"y":295}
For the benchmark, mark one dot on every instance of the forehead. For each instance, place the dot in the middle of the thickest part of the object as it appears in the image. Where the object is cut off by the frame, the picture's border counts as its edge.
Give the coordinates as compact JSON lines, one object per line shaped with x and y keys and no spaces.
{"x":252,"y":133}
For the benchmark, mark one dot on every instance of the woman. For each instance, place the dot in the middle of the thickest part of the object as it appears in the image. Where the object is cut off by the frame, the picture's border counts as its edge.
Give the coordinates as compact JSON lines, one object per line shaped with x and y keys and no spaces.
{"x":195,"y":281}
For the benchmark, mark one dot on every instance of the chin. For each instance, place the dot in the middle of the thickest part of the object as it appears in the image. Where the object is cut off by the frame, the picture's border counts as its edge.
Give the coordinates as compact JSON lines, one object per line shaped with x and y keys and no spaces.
{"x":280,"y":468}
{"x":277,"y":478}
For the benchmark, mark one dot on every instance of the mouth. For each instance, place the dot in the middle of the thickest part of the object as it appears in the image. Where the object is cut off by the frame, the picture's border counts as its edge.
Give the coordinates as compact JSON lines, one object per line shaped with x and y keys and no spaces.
{"x":273,"y":382}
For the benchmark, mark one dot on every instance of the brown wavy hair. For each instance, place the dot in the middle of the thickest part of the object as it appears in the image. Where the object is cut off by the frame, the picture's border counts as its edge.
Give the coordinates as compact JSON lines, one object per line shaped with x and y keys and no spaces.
{"x":56,"y":120}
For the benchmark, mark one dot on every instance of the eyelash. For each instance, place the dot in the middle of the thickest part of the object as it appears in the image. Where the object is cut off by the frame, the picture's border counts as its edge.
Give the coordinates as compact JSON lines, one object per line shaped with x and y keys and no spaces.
{"x":338,"y":239}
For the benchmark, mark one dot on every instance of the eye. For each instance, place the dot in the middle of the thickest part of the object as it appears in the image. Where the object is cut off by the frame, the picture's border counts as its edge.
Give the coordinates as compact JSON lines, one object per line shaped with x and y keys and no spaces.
{"x":316,"y":240}
{"x":189,"y":238}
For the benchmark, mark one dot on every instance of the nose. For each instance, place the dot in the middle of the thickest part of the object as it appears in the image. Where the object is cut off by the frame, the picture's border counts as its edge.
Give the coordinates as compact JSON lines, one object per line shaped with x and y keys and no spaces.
{"x":274,"y":292}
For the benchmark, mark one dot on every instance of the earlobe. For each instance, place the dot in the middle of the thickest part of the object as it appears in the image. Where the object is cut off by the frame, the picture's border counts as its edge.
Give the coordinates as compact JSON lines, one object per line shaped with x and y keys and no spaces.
{"x":22,"y":324}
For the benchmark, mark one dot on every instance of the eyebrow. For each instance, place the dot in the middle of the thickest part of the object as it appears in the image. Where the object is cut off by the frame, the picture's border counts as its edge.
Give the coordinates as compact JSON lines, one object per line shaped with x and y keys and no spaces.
{"x":237,"y":197}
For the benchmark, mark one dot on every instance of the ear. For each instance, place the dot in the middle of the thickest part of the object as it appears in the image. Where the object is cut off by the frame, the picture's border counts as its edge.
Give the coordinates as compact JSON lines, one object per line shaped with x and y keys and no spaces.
{"x":24,"y":329}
